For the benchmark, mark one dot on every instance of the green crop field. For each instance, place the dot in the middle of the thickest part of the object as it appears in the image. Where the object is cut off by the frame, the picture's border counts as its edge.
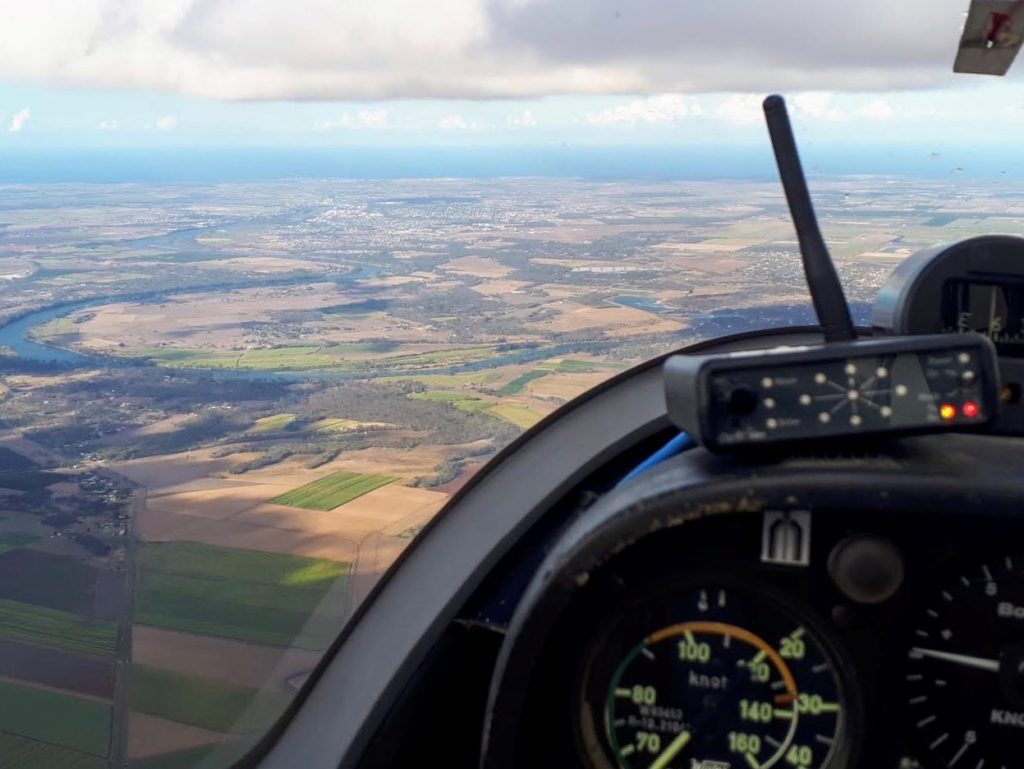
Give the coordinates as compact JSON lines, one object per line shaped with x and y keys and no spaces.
{"x":333,"y":490}
{"x":451,"y":380}
{"x":520,"y":416}
{"x":56,"y":327}
{"x":208,"y":704}
{"x":304,"y":358}
{"x":59,"y":629}
{"x":15,"y":539}
{"x":460,"y":400}
{"x":272,"y":423}
{"x":12,"y":461}
{"x":249,"y":595}
{"x":448,"y":396}
{"x":332,"y":424}
{"x":60,"y":719}
{"x":22,"y":753}
{"x":278,"y":358}
{"x":472,"y":405}
{"x":518,"y":384}
{"x":569,"y":366}
{"x":31,"y":480}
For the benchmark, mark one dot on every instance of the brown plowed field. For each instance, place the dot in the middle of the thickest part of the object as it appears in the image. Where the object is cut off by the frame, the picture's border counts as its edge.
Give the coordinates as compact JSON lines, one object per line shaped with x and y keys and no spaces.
{"x":56,"y":669}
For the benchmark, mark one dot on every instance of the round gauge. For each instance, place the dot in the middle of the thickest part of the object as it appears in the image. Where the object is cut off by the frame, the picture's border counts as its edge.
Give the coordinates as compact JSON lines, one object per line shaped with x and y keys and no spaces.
{"x":965,"y":669}
{"x":716,"y":678}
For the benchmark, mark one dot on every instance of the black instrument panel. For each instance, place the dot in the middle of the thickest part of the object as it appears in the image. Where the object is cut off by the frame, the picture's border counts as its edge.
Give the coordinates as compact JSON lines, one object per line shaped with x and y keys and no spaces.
{"x":975,"y":285}
{"x":692,"y":650}
{"x":991,"y":307}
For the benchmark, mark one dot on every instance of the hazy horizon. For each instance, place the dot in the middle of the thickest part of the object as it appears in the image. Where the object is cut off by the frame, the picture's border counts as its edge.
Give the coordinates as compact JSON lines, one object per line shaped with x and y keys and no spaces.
{"x":594,"y":162}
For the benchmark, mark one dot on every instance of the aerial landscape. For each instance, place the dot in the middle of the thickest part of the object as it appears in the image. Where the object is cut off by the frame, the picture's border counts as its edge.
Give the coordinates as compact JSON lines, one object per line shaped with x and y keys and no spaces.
{"x":227,"y":408}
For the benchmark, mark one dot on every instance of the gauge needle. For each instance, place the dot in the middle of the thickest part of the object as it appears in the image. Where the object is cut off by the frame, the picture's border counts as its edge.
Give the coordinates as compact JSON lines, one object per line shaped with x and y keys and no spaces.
{"x":671,"y":751}
{"x":959,"y":659}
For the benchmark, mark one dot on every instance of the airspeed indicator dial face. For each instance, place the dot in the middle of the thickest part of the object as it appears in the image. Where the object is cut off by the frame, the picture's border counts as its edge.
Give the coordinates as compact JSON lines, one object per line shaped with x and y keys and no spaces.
{"x":737,"y":681}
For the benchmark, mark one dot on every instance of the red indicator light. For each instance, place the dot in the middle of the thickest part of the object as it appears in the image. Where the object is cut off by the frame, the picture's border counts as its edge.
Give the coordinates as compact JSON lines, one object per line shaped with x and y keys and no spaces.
{"x":971,"y":409}
{"x":947,"y":411}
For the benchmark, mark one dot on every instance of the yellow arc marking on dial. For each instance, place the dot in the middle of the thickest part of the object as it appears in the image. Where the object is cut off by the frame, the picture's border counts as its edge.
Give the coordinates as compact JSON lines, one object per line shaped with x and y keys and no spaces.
{"x":720,"y":628}
{"x":680,"y":742}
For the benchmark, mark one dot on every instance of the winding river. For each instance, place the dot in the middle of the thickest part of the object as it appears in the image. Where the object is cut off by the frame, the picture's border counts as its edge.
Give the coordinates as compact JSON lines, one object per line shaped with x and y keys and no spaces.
{"x":16,"y":335}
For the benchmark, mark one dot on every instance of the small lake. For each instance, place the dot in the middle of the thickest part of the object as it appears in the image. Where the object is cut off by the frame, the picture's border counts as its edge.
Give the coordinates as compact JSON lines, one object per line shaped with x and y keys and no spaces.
{"x":645,"y":303}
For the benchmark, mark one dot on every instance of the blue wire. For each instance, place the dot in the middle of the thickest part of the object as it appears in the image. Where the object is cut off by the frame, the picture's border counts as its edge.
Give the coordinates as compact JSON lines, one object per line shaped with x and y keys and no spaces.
{"x":677,"y":445}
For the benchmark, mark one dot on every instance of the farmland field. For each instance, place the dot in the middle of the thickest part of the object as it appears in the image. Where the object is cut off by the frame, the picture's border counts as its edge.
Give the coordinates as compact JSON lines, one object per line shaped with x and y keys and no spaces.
{"x":60,"y":719}
{"x":521,"y":416}
{"x":570,"y":366}
{"x":14,"y":539}
{"x":272,"y":423}
{"x":23,"y":753}
{"x":56,"y":668}
{"x":517,"y":385}
{"x":209,"y":704}
{"x":45,"y":579}
{"x":32,"y":480}
{"x":12,"y":461}
{"x":305,"y":358}
{"x":247,"y":595}
{"x":331,"y":423}
{"x":460,"y":400}
{"x":62,"y":630}
{"x":333,"y":490}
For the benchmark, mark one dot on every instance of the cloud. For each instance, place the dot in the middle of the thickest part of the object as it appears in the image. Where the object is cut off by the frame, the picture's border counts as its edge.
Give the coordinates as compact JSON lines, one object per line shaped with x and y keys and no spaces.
{"x":525,"y":120}
{"x":108,"y":125}
{"x":19,"y":120}
{"x":740,"y":108}
{"x":879,"y":109}
{"x":666,"y":108}
{"x":166,"y":123}
{"x":459,"y":123}
{"x":453,"y":122}
{"x":816,"y":106}
{"x":330,"y":50}
{"x":364,"y":118}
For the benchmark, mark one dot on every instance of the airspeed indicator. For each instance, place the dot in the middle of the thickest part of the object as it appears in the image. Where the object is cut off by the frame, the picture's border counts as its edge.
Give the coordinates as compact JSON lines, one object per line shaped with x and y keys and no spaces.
{"x":737,"y":682}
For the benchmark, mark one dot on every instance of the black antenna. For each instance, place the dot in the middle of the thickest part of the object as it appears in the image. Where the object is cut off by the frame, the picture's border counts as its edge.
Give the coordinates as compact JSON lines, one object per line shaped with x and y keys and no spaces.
{"x":822,"y":280}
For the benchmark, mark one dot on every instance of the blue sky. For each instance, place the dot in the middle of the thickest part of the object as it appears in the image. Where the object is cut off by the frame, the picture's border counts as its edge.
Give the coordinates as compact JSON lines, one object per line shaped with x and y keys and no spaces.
{"x":145,"y":73}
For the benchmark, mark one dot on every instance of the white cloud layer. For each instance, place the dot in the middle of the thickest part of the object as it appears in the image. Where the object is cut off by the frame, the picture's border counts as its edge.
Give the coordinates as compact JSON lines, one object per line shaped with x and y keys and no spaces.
{"x":107,"y":125}
{"x":664,"y":108}
{"x":328,"y":49}
{"x":166,"y":123}
{"x":19,"y":120}
{"x":364,"y":118}
{"x":524,"y":120}
{"x":453,"y":123}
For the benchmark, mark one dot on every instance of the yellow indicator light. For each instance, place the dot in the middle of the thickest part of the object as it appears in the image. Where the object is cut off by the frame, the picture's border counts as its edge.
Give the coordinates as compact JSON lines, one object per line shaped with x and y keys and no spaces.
{"x":947,"y":411}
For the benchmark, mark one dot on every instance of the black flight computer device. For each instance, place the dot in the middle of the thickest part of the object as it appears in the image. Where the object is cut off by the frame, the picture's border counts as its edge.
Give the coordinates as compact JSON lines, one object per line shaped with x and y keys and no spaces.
{"x":849,"y":386}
